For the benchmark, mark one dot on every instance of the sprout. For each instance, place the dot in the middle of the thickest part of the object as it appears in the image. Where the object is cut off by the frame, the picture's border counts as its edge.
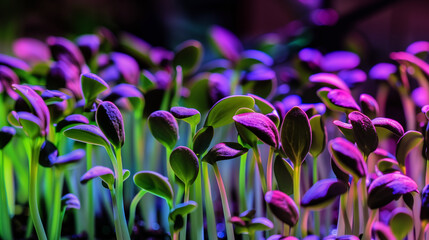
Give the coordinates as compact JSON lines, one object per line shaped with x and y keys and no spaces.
{"x":283,"y":207}
{"x":109,"y":120}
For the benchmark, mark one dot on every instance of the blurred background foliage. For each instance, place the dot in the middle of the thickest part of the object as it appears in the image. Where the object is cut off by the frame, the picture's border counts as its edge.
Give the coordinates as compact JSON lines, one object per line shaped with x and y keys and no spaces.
{"x":371,"y":27}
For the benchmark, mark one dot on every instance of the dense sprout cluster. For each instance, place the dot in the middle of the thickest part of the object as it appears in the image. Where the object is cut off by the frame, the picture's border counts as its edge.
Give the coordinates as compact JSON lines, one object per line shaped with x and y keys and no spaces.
{"x":127,"y":135}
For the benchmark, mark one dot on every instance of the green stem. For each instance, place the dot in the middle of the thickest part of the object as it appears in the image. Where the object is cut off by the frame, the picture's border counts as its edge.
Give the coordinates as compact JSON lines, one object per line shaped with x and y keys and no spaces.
{"x":211,"y":221}
{"x":197,"y":217}
{"x":225,"y":205}
{"x":34,"y":209}
{"x":296,"y":191}
{"x":367,"y":233}
{"x":133,"y":208}
{"x":355,"y":208}
{"x":242,"y":182}
{"x":89,"y":196}
{"x":6,"y":230}
{"x":119,"y":196}
{"x":234,"y":81}
{"x":56,"y":209}
{"x":270,"y":169}
{"x":63,"y":213}
{"x":260,"y":169}
{"x":170,"y":172}
{"x":304,"y":223}
{"x":115,"y":214}
{"x":185,"y":220}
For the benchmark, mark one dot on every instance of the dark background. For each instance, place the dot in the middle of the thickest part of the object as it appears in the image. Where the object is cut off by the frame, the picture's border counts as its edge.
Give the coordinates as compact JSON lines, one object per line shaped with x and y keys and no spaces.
{"x":377,"y":26}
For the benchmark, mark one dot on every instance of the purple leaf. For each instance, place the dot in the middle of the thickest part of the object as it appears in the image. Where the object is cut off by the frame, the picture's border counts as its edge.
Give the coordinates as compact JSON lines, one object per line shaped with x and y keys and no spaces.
{"x":226,"y":43}
{"x":347,"y":157}
{"x":36,"y":103}
{"x":71,"y":119}
{"x":283,"y":207}
{"x":389,"y":187}
{"x":109,"y":120}
{"x":31,"y":50}
{"x":97,"y":171}
{"x":364,"y":132}
{"x":63,"y":49}
{"x":369,"y":105}
{"x":183,"y":112}
{"x":329,"y":80}
{"x":418,"y":47}
{"x":342,"y":100}
{"x":389,"y":124}
{"x":261,"y":126}
{"x":224,"y":151}
{"x":382,"y":231}
{"x":352,"y":77}
{"x":322,"y":193}
{"x":127,"y":66}
{"x":48,"y":154}
{"x":420,"y":97}
{"x":346,"y":129}
{"x":311,"y":56}
{"x":12,"y":62}
{"x":382,"y":71}
{"x":89,"y":45}
{"x":70,"y":201}
{"x":72,"y":157}
{"x":339,"y":60}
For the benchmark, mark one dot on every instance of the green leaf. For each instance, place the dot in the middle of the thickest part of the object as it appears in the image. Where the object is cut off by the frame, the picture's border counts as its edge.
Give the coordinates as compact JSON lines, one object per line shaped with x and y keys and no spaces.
{"x":260,"y":224}
{"x":183,"y":209}
{"x":164,"y":128}
{"x":106,"y":174}
{"x":202,"y":140}
{"x":155,"y":184}
{"x":338,"y":100}
{"x":88,"y":134}
{"x":346,"y":129}
{"x":406,"y":143}
{"x":189,"y":115}
{"x":295,"y":135}
{"x":224,"y":151}
{"x":283,"y":172}
{"x":92,"y":85}
{"x":185,"y":164}
{"x":199,"y":93}
{"x":36,"y":104}
{"x":188,"y":55}
{"x":401,"y":222}
{"x":30,"y":124}
{"x":318,"y":135}
{"x":388,"y":165}
{"x":222,"y":112}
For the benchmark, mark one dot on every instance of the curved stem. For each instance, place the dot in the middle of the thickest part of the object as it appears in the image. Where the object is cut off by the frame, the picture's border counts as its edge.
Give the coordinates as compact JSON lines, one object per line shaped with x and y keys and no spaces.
{"x":115,"y":214}
{"x":119,"y":195}
{"x":63,"y":212}
{"x":225,"y":205}
{"x":270,"y":169}
{"x":260,"y":169}
{"x":185,"y":220}
{"x":133,"y":208}
{"x":5,"y":227}
{"x":32,"y":201}
{"x":210,"y":216}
